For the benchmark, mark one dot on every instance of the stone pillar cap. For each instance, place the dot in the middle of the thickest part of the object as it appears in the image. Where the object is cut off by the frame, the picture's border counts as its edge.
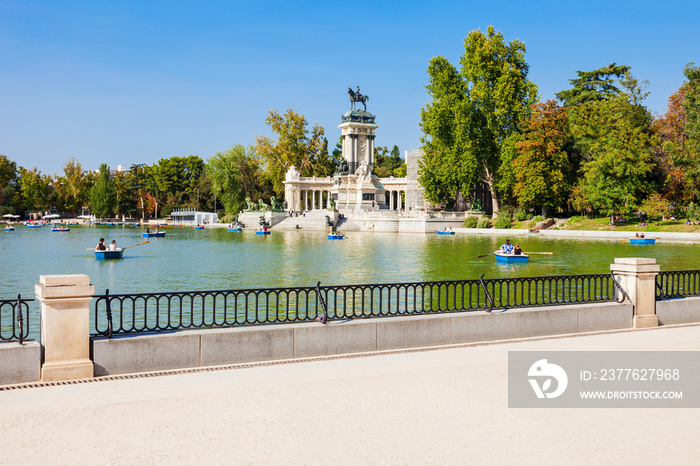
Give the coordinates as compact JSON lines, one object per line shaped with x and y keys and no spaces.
{"x":635,"y":261}
{"x":75,"y":279}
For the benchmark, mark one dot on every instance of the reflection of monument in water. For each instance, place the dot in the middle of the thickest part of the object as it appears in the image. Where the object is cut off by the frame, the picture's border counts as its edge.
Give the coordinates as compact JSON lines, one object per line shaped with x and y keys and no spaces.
{"x":354,"y":186}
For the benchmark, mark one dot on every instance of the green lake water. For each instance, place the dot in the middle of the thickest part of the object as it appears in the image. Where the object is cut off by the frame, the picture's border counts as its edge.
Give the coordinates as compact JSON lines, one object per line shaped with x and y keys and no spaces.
{"x":215,"y":259}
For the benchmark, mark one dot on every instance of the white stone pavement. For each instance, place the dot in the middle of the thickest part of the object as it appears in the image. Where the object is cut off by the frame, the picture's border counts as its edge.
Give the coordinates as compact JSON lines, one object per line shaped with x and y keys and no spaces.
{"x":446,"y":406}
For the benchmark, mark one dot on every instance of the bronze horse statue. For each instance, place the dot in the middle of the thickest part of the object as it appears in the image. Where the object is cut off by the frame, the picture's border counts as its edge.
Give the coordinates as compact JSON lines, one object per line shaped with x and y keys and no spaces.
{"x":357,"y":97}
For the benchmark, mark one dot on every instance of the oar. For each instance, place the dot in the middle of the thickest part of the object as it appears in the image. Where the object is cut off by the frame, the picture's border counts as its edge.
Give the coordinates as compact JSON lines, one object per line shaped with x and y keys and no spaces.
{"x":479,"y":257}
{"x":530,"y":253}
{"x":137,"y":244}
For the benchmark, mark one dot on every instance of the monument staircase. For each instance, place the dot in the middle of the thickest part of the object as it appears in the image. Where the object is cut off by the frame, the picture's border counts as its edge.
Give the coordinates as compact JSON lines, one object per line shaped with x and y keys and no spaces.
{"x":314,"y":220}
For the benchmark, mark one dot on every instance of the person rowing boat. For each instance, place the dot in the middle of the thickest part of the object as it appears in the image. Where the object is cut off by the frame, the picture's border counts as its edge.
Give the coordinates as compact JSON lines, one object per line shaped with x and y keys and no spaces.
{"x":507,"y":247}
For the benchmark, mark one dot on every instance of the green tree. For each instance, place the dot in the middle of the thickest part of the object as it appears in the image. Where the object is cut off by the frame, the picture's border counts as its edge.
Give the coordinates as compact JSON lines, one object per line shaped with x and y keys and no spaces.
{"x":617,"y":155}
{"x":103,"y":195}
{"x":72,"y":188}
{"x":9,"y":176}
{"x":541,"y":165}
{"x":592,"y":86}
{"x":34,"y":190}
{"x":296,"y":145}
{"x":233,"y":174}
{"x":472,"y":113}
{"x":691,"y":107}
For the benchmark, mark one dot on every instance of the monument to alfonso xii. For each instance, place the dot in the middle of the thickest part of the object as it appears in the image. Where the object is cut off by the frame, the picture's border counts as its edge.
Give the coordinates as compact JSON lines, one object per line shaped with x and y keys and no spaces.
{"x":354,"y":186}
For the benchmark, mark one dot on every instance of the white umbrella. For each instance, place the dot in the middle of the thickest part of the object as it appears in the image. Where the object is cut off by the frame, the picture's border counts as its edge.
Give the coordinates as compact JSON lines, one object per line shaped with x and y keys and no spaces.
{"x":52,"y":216}
{"x":8,"y":216}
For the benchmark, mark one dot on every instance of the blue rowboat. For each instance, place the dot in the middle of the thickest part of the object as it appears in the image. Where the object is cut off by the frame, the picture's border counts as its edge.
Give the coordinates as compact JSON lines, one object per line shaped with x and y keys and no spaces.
{"x":511,"y":258}
{"x":107,"y":254}
{"x":199,"y":228}
{"x":160,"y":234}
{"x":33,"y":226}
{"x":642,"y":240}
{"x":60,"y":229}
{"x":335,"y":236}
{"x":445,"y":232}
{"x":259,"y":232}
{"x":235,"y":229}
{"x":9,"y":228}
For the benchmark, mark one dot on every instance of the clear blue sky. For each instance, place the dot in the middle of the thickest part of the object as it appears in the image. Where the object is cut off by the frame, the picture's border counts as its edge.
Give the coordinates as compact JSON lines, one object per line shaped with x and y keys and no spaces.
{"x":126,"y":82}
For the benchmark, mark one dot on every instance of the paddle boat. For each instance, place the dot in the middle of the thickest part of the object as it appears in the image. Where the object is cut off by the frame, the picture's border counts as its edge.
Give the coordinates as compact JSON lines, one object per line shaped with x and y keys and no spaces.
{"x":234,"y":229}
{"x":60,"y":229}
{"x":336,"y":236}
{"x":642,"y":241}
{"x":262,"y":232}
{"x":510,"y":258}
{"x":443,"y":232}
{"x":9,"y":228}
{"x":199,"y":227}
{"x":160,"y":234}
{"x":107,"y":254}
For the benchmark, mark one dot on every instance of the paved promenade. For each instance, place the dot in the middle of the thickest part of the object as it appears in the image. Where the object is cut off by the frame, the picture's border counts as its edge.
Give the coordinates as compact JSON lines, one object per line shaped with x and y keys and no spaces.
{"x":446,"y":406}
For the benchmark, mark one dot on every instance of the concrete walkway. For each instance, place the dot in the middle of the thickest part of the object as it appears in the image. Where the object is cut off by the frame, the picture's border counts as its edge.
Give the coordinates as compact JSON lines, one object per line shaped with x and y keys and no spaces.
{"x":446,"y":406}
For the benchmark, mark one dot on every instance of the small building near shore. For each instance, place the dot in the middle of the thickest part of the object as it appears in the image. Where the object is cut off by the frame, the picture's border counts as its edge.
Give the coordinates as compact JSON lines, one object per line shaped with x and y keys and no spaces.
{"x":188,"y":217}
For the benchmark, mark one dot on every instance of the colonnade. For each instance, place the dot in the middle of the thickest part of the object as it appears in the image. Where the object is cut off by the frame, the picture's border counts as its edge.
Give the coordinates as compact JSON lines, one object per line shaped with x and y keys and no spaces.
{"x":315,"y":199}
{"x":395,"y":199}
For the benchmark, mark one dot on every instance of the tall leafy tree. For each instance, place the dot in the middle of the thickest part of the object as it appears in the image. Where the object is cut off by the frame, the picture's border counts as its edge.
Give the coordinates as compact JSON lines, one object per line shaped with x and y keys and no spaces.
{"x":472,"y":114}
{"x":617,"y":155}
{"x":72,"y":189}
{"x":691,"y":106}
{"x":541,"y":165}
{"x":593,"y":86}
{"x":233,"y":174}
{"x":296,"y":145}
{"x":679,"y":166}
{"x":8,"y":184}
{"x":34,"y":190}
{"x":103,"y":195}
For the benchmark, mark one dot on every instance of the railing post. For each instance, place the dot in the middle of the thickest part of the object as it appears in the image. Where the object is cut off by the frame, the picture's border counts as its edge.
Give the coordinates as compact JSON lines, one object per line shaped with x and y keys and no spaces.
{"x":65,"y":326}
{"x":20,"y":319}
{"x":637,"y":276}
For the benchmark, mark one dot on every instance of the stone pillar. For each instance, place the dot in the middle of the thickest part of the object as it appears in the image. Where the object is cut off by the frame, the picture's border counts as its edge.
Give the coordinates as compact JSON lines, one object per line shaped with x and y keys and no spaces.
{"x":637,"y":276}
{"x":391,"y":200}
{"x":65,"y":326}
{"x":306,"y":200}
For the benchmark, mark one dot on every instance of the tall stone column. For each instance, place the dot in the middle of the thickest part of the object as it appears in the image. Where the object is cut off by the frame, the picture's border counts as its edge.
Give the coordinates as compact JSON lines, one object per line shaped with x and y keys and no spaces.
{"x":65,"y":326}
{"x":637,"y":276}
{"x":391,"y":199}
{"x":306,"y":199}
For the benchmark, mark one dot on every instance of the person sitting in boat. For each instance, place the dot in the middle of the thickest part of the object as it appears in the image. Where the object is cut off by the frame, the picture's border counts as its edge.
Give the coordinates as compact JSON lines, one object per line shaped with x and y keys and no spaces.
{"x":507,"y":247}
{"x":636,"y":235}
{"x":113,"y":245}
{"x":101,"y":246}
{"x":148,"y":230}
{"x":641,"y":235}
{"x":517,"y":251}
{"x":156,"y":229}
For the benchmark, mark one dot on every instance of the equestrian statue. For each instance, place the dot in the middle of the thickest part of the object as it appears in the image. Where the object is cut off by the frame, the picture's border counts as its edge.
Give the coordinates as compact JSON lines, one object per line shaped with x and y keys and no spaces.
{"x":357,"y":97}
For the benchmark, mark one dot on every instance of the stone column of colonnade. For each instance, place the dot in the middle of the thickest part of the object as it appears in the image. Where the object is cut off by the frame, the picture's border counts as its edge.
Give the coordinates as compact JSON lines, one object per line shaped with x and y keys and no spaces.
{"x":395,"y":202}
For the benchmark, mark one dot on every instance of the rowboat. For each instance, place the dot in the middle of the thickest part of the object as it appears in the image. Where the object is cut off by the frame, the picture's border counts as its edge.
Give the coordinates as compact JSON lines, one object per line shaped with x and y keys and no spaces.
{"x":260,"y":232}
{"x":642,"y":240}
{"x":107,"y":254}
{"x":235,"y":229}
{"x":29,"y":225}
{"x":335,"y":236}
{"x":199,"y":228}
{"x":60,"y":229}
{"x":160,"y":234}
{"x":9,"y":228}
{"x":445,"y":232}
{"x":510,"y":258}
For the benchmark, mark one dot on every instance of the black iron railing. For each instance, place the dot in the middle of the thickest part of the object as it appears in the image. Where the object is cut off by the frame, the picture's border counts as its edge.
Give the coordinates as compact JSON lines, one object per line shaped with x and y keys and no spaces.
{"x":677,"y":284}
{"x":152,"y":312}
{"x":14,"y":319}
